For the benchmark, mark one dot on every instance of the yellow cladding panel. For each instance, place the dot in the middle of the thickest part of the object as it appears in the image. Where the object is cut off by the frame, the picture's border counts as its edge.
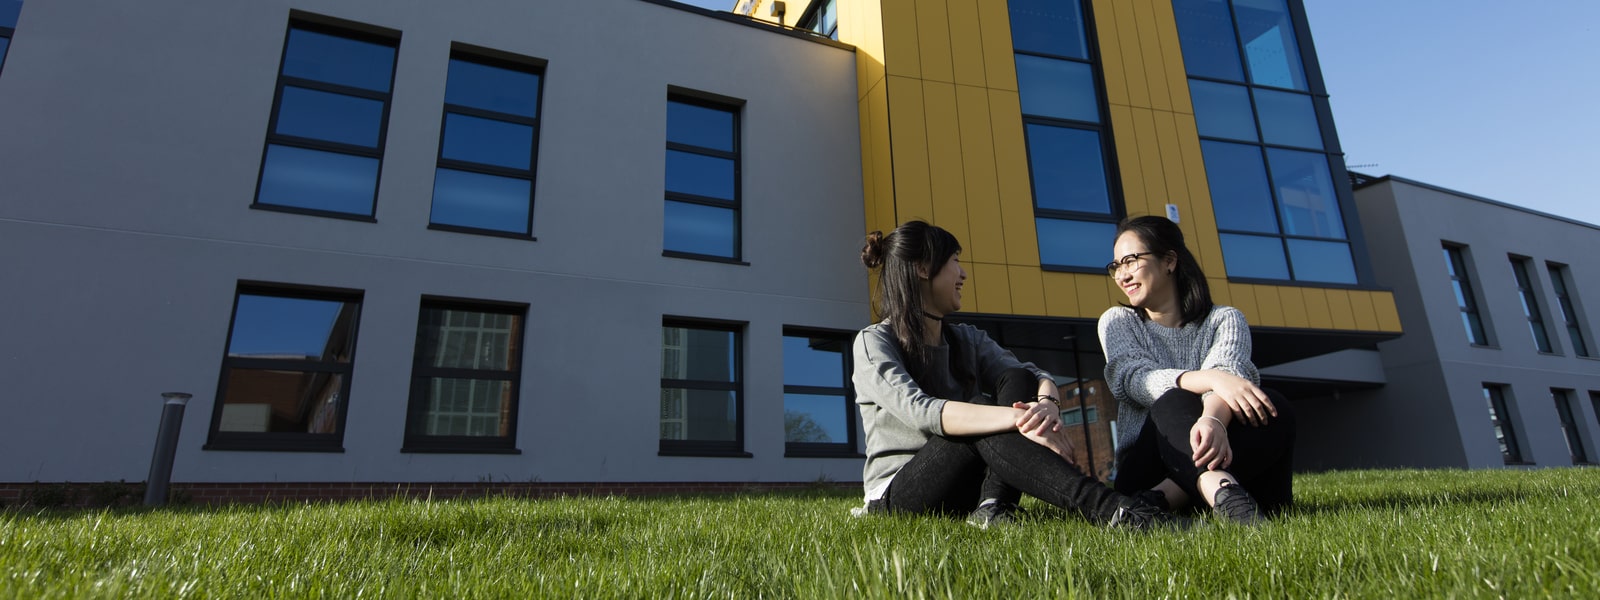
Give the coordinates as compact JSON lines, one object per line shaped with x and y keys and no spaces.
{"x":1220,"y":292}
{"x":1244,"y":299}
{"x":1027,"y":291}
{"x":1293,"y":301}
{"x":1207,"y":243}
{"x":908,"y":137}
{"x":933,"y":41}
{"x":1127,"y":34}
{"x":1105,"y":23}
{"x":1060,"y":294}
{"x":1011,"y":163}
{"x":1361,"y":307}
{"x":1126,"y":143}
{"x":1166,"y":30}
{"x":1269,"y":306}
{"x":1155,"y":73}
{"x":861,"y":24}
{"x":966,"y":42}
{"x":901,"y":55}
{"x":1388,"y":314}
{"x":1172,"y":166}
{"x":949,"y":186}
{"x":1339,"y":308}
{"x":993,"y":284}
{"x":1155,"y":180}
{"x":994,"y":23}
{"x":1318,"y":315}
{"x":987,"y":241}
{"x":869,"y":191}
{"x":1093,"y":295}
{"x":876,"y":104}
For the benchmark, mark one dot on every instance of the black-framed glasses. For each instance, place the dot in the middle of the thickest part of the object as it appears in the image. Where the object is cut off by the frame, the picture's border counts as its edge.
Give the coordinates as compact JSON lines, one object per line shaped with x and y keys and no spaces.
{"x":1126,"y":262}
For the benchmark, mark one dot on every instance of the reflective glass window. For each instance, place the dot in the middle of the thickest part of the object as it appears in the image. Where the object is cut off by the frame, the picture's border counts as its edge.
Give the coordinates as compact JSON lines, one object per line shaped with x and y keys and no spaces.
{"x":291,"y":328}
{"x":817,"y":408}
{"x":1049,"y":27}
{"x":700,"y":229}
{"x":480,"y":201}
{"x":487,"y":141}
{"x":1565,"y":411}
{"x":330,"y":117}
{"x":1254,"y":256}
{"x":1505,"y":434}
{"x":9,"y":10}
{"x":314,"y":179}
{"x":1530,"y":304}
{"x":465,"y":377}
{"x":699,"y":174}
{"x":1059,"y":89}
{"x":338,"y":60}
{"x":1270,"y":48}
{"x":5,"y":44}
{"x":1306,"y":198}
{"x":1466,"y":300}
{"x":1071,"y":243}
{"x":700,"y":388}
{"x":702,"y":180}
{"x":487,"y":87}
{"x":1326,"y":262}
{"x":1205,"y":31}
{"x":1288,"y":119}
{"x":1240,"y":195}
{"x":1569,"y":309}
{"x":1222,"y":110}
{"x":484,"y":180}
{"x":701,"y":126}
{"x":1067,"y":170}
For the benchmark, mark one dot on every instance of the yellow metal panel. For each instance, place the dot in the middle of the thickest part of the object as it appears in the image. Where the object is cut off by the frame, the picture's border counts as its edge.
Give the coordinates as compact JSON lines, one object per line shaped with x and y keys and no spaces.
{"x":949,"y":191}
{"x":1221,"y":293}
{"x":1155,"y":180}
{"x":1105,"y":24}
{"x":908,"y":136}
{"x":1011,"y":164}
{"x":1027,"y":291}
{"x":1269,"y":305}
{"x":1293,"y":301}
{"x":1361,"y":306}
{"x":966,"y":42}
{"x":1127,"y":33}
{"x":1127,"y":145}
{"x":1317,"y":313}
{"x":1155,"y":72}
{"x":877,"y":103}
{"x":1339,"y":308}
{"x":994,"y":23}
{"x":1172,"y":58}
{"x":869,"y":187}
{"x":933,"y":41}
{"x":861,"y":24}
{"x":901,"y":55}
{"x":995,"y":282}
{"x":1060,"y":294}
{"x":1207,"y":243}
{"x":1244,"y":299}
{"x":1388,"y":314}
{"x":1172,"y":171}
{"x":1093,"y":298}
{"x":988,"y":240}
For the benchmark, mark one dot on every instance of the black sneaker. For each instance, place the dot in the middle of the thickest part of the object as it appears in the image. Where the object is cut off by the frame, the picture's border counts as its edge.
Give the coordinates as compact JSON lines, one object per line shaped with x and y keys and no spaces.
{"x":1135,"y":514}
{"x":993,"y":513}
{"x":1154,"y":498}
{"x":1234,"y":504}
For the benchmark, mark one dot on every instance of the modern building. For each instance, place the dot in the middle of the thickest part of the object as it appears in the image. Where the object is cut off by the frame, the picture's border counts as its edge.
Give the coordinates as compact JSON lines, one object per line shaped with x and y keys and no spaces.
{"x":613,"y":244}
{"x":1498,"y":365}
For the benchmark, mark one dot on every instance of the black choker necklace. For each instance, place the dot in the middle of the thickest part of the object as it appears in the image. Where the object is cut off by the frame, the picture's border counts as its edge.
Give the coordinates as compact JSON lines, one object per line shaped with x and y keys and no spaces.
{"x":931,"y":316}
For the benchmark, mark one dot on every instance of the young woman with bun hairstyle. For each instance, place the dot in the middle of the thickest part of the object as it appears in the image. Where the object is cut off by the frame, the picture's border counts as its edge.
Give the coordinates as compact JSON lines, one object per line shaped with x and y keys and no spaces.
{"x":955,"y":423}
{"x":1192,"y":418}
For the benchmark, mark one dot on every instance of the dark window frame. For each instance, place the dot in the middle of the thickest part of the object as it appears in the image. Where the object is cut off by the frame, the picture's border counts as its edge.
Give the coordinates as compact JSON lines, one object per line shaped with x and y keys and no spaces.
{"x":285,"y":441}
{"x":709,"y":448}
{"x":493,"y":58}
{"x":349,"y":30}
{"x":421,"y":373}
{"x":1502,"y":423}
{"x":1571,"y":314}
{"x":1567,"y":412}
{"x":1528,"y":293}
{"x":808,"y":20}
{"x":735,"y":107}
{"x":1456,"y":255}
{"x":1108,"y":154}
{"x":846,"y":391}
{"x":8,"y":33}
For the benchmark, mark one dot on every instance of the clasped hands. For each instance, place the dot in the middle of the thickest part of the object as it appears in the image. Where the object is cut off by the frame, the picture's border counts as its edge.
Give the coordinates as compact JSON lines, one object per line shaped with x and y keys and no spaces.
{"x":1041,"y":422}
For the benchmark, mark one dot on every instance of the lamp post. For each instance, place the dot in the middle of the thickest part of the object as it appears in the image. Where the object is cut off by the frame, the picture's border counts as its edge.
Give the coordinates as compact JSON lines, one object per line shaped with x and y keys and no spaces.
{"x":155,"y":492}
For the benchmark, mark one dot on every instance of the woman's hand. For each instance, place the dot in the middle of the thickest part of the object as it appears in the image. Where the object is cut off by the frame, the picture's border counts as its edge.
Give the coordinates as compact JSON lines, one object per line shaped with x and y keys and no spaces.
{"x":1037,"y":416}
{"x":1244,"y":399}
{"x":1209,"y":439}
{"x":1052,"y":437}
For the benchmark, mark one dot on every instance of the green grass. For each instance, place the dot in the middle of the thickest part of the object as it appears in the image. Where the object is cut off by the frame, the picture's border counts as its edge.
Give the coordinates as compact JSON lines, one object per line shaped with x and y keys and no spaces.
{"x":1354,"y":534}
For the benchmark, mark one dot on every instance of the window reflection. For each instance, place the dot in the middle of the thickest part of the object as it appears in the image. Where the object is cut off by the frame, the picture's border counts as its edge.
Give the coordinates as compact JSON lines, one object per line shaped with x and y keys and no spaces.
{"x":699,"y":385}
{"x":339,"y":60}
{"x":1067,"y":171}
{"x":1305,"y":194}
{"x":465,"y":377}
{"x":1326,"y":262}
{"x":332,"y":117}
{"x":1205,"y":30}
{"x":1254,"y":256}
{"x":701,"y":217}
{"x":1222,"y":110}
{"x":817,"y":407}
{"x":1288,"y":119}
{"x":1269,"y":43}
{"x":1057,"y":88}
{"x":1240,"y":195}
{"x":484,"y":181}
{"x":319,"y":180}
{"x":1074,"y":243}
{"x":492,"y":88}
{"x":1048,"y":27}
{"x":292,"y":328}
{"x":479,"y":201}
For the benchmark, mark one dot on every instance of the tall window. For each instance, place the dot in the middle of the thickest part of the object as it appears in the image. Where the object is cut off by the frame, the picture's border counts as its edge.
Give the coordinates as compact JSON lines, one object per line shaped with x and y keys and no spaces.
{"x":1530,"y":304}
{"x":489,"y":146}
{"x":329,"y":116}
{"x":823,"y":19}
{"x":465,"y":378}
{"x":1466,"y":298}
{"x":1075,"y":206}
{"x":1277,"y":204}
{"x":1504,"y":431}
{"x":702,"y":210}
{"x":1569,"y":424}
{"x":9,"y":9}
{"x":819,"y":417}
{"x":1560,"y":278}
{"x":702,"y":389}
{"x":286,"y":373}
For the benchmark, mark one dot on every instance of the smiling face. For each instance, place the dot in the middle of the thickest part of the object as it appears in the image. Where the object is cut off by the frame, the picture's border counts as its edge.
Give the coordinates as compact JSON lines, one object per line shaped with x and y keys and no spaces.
{"x":1147,"y":280}
{"x":943,"y":294}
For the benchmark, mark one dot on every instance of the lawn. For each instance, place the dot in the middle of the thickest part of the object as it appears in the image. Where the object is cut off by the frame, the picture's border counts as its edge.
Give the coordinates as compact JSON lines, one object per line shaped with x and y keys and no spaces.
{"x":1363,"y":534}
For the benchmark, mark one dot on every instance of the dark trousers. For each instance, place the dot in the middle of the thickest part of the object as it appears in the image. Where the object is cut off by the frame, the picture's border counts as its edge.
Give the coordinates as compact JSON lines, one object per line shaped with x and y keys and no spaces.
{"x":1263,"y":457}
{"x":950,"y":475}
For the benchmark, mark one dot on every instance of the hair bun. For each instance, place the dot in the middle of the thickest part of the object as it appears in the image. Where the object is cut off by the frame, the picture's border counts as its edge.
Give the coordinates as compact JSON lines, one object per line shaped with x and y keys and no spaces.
{"x":872,"y":252}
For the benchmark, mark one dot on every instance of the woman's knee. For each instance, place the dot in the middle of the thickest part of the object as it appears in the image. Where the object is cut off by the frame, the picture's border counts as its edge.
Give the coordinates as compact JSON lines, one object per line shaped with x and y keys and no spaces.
{"x":1177,"y":401}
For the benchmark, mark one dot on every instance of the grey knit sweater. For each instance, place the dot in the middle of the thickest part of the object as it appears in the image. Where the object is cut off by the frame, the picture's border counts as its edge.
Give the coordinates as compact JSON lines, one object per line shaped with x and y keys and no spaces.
{"x":900,"y":413}
{"x":1144,"y":358}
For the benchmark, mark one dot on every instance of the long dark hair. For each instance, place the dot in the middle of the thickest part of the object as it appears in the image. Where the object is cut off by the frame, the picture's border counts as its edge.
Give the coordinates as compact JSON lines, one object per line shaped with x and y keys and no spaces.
{"x":1163,"y":238}
{"x":913,"y":246}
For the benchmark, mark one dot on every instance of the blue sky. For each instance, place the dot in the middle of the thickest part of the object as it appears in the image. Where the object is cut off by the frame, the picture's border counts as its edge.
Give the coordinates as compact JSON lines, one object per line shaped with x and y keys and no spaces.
{"x":1485,"y":97}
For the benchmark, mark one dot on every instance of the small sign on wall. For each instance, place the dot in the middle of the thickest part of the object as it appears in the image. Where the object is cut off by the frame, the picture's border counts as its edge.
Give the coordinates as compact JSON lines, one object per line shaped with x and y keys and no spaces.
{"x":1172,"y":213}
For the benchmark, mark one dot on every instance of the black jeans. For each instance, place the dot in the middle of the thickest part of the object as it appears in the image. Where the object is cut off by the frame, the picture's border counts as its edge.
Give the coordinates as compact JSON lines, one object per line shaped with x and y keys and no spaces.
{"x":1263,"y":457}
{"x":951,"y":474}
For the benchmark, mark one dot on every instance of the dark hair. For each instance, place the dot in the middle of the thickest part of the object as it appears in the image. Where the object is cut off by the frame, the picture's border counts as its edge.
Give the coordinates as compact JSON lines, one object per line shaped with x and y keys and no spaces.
{"x":912,"y":246}
{"x":1163,"y":238}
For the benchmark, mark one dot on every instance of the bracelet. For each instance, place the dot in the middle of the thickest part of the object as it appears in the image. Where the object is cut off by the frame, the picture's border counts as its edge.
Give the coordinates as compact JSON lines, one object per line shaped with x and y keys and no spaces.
{"x":1219,"y":421}
{"x":1043,"y":397}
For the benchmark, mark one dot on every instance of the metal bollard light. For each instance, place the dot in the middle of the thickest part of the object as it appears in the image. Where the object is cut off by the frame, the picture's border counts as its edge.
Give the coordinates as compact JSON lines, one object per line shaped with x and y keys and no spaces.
{"x":155,"y":492}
